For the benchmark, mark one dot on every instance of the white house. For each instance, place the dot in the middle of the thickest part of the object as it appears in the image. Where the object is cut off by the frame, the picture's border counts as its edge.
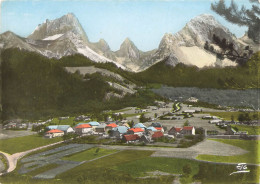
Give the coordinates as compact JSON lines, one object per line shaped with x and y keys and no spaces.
{"x":83,"y":129}
{"x":54,"y":133}
{"x":188,"y":130}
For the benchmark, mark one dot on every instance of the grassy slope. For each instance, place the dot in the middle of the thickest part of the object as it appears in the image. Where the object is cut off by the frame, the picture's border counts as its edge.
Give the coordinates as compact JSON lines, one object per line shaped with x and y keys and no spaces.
{"x":252,"y":130}
{"x":19,"y":144}
{"x":249,"y":145}
{"x":138,"y":168}
{"x":89,"y":154}
{"x":68,"y":121}
{"x":124,"y":166}
{"x":227,"y":115}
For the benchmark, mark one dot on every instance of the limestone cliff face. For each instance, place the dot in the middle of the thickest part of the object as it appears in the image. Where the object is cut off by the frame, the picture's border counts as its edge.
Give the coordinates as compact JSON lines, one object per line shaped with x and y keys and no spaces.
{"x":65,"y":36}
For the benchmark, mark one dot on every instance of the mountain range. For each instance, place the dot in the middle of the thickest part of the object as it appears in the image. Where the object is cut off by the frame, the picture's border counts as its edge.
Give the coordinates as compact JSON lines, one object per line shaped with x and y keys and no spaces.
{"x":65,"y":36}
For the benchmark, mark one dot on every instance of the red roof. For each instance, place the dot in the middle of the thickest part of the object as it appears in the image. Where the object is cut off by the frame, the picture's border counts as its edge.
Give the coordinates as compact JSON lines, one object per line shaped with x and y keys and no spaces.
{"x":178,"y":129}
{"x":55,"y":131}
{"x":113,"y":125}
{"x":158,"y":128}
{"x":131,"y":137}
{"x":188,"y":128}
{"x":136,"y":129}
{"x":83,"y":126}
{"x":157,"y":135}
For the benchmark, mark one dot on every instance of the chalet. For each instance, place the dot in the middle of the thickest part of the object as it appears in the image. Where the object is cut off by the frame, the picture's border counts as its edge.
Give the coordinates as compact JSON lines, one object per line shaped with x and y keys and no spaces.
{"x":118,"y":131}
{"x":110,"y":126}
{"x":157,"y":135}
{"x":140,"y":125}
{"x":130,"y":138}
{"x":101,"y":128}
{"x":145,"y":139}
{"x":54,"y":133}
{"x":83,"y":129}
{"x":159,"y":129}
{"x":64,"y":128}
{"x":152,"y":129}
{"x":188,"y":130}
{"x":174,"y":131}
{"x":137,"y":131}
{"x":94,"y":124}
{"x":126,"y":124}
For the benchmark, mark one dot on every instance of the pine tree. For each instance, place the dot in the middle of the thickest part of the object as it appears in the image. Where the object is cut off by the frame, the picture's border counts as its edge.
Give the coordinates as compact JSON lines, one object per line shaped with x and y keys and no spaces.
{"x":241,"y":17}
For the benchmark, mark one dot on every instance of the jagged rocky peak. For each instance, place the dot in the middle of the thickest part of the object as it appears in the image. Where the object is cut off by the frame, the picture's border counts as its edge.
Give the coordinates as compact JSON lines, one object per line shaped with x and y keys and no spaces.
{"x":201,"y":29}
{"x":206,"y":19}
{"x":167,"y":39}
{"x":52,"y":29}
{"x":128,"y":49}
{"x":127,"y":42}
{"x":103,"y":45}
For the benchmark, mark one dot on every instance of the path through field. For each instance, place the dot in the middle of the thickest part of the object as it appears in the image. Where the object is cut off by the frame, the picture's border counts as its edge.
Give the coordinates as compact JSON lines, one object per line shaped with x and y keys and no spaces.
{"x":12,"y":159}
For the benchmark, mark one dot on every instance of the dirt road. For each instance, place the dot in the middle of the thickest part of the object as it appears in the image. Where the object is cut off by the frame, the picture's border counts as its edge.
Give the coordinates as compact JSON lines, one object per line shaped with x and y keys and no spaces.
{"x":12,"y":159}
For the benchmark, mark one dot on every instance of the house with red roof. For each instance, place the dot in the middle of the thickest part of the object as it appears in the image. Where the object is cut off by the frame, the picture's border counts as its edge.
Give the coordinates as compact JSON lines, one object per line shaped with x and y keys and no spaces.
{"x":160,"y":129}
{"x":188,"y":130}
{"x":130,"y":138}
{"x":54,"y":133}
{"x":137,"y":131}
{"x":83,"y":129}
{"x":157,"y":135}
{"x":110,"y":126}
{"x":174,"y":131}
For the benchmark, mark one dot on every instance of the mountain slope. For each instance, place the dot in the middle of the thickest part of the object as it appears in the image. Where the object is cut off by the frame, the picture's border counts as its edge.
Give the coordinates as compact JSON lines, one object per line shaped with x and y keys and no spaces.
{"x":186,"y":46}
{"x":65,"y":36}
{"x":56,"y":38}
{"x":36,"y":87}
{"x":60,"y":26}
{"x":238,"y":77}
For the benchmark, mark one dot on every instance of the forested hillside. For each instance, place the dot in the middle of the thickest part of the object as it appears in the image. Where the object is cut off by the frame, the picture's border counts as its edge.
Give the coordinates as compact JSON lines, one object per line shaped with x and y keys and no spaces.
{"x":239,"y":77}
{"x":35,"y":86}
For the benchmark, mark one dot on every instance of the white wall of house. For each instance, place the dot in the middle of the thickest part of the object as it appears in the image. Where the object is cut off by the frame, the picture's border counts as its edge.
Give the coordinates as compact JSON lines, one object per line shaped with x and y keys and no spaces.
{"x":51,"y":135}
{"x":83,"y":130}
{"x":69,"y":130}
{"x":193,"y":131}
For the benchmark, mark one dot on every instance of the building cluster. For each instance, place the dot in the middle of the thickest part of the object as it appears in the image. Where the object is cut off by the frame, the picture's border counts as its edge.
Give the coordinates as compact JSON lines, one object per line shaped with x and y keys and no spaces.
{"x":15,"y":124}
{"x":138,"y":133}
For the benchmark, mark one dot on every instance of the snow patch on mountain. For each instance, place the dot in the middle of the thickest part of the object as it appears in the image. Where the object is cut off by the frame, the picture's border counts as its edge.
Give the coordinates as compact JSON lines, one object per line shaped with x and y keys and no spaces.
{"x":201,"y":58}
{"x":54,"y":37}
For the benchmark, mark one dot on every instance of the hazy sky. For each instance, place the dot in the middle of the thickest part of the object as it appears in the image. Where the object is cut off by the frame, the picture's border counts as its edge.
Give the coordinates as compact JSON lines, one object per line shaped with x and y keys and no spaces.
{"x":144,"y":22}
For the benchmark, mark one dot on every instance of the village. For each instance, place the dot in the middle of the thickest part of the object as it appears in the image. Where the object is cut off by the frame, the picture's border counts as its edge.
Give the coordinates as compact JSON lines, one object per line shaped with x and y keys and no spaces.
{"x":166,"y":130}
{"x":171,"y":123}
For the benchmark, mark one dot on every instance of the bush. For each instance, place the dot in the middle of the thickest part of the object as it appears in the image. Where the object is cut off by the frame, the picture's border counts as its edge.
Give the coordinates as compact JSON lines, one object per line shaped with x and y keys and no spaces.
{"x":186,"y":169}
